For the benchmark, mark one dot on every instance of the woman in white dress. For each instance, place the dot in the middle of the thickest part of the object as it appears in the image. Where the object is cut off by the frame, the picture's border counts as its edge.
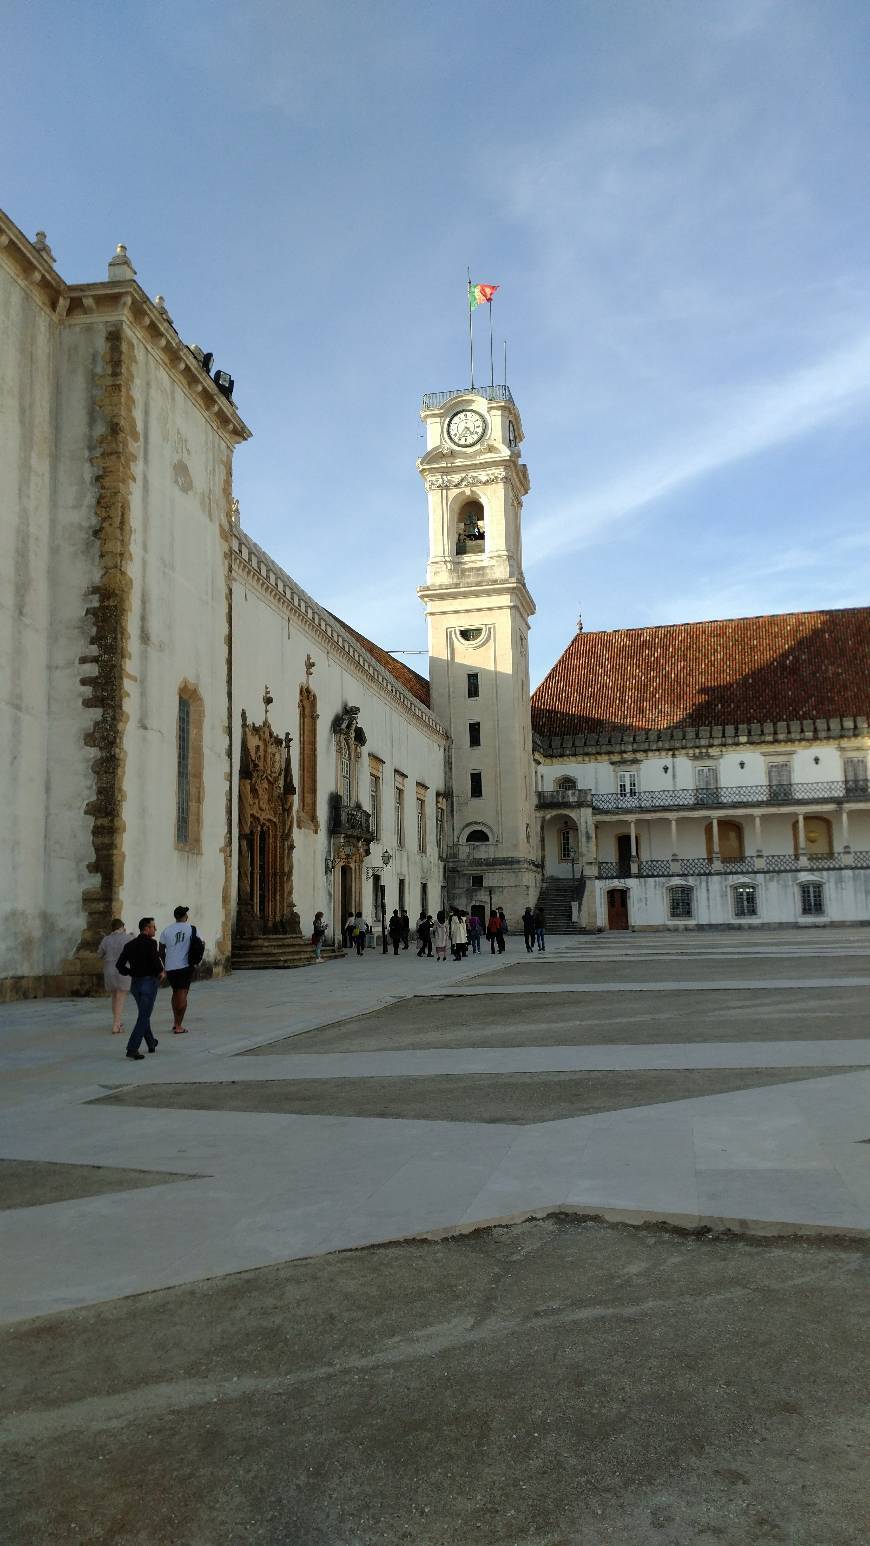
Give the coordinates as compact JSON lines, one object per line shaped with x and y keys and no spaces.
{"x":109,"y":949}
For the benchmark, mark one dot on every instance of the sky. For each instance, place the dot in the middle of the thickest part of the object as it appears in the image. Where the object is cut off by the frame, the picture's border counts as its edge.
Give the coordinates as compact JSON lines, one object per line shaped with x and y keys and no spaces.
{"x":671,"y":195}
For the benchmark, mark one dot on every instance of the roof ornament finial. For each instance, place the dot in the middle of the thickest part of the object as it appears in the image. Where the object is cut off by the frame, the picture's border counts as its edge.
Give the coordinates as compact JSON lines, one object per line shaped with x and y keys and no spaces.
{"x":579,"y":622}
{"x":235,"y":512}
{"x":41,"y":245}
{"x":120,"y":266}
{"x":268,"y":700}
{"x":160,"y":303}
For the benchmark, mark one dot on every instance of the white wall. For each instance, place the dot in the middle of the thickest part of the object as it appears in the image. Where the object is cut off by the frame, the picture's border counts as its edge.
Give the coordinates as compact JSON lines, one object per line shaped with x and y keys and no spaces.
{"x":846,"y":893}
{"x":178,"y":631}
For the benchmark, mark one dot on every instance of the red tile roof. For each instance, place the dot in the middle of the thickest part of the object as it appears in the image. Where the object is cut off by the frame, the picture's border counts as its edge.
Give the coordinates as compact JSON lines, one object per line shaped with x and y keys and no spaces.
{"x":411,"y":680}
{"x":739,"y":671}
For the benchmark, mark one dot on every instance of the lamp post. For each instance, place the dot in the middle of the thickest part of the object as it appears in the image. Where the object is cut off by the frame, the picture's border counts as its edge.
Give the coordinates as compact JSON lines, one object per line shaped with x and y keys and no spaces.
{"x":386,"y":857}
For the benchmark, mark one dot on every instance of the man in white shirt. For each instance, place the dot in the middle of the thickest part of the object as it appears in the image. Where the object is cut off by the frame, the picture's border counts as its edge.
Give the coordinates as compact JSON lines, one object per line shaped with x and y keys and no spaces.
{"x":174,"y":946}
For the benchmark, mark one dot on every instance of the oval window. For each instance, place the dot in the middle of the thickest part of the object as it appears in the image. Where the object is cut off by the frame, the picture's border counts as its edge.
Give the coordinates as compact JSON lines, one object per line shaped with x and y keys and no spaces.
{"x":471,"y":635}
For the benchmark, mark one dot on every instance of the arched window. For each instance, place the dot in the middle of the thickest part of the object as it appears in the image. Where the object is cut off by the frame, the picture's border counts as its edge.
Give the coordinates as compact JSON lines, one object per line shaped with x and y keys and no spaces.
{"x":565,"y":783}
{"x":819,"y":836}
{"x":730,"y":840}
{"x":189,"y":768}
{"x":470,"y":529}
{"x":306,"y":808}
{"x":477,"y":836}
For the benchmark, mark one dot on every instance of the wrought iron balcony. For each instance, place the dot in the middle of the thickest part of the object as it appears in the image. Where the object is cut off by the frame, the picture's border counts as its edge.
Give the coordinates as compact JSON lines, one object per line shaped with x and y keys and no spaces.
{"x":490,"y":394}
{"x":810,"y":793}
{"x":349,"y":820}
{"x":771,"y":864}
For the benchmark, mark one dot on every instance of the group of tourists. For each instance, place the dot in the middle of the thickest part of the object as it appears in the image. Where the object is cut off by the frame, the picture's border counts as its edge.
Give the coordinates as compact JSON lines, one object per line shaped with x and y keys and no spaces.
{"x":451,"y":928}
{"x":139,"y":963}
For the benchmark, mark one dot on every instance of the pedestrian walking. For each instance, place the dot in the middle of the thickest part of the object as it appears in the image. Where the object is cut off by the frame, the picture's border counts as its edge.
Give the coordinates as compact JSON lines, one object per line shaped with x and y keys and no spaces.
{"x":540,"y":926}
{"x":504,"y":926}
{"x":360,"y":930}
{"x":140,"y":961}
{"x":529,"y":929}
{"x":349,"y":925}
{"x":318,"y":932}
{"x":440,"y":932}
{"x":394,"y":929}
{"x":109,"y":949}
{"x":424,"y":935}
{"x":175,"y":946}
{"x":406,"y":930}
{"x":494,"y":933}
{"x":458,"y":936}
{"x":474,"y":933}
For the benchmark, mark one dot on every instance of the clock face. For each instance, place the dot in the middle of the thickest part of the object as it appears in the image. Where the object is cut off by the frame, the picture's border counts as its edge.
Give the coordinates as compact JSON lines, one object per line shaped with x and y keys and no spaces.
{"x":466,"y":427}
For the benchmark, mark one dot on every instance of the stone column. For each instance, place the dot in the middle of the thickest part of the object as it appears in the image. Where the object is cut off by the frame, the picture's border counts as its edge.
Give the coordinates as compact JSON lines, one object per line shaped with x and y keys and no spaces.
{"x":633,"y":830}
{"x":802,"y":842}
{"x":675,"y":858}
{"x":717,"y":863}
{"x":845,"y":845}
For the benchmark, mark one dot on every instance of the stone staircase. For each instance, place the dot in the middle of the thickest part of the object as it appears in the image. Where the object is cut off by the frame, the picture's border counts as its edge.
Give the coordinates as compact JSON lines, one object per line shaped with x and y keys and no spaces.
{"x":554,"y":901}
{"x":280,"y":952}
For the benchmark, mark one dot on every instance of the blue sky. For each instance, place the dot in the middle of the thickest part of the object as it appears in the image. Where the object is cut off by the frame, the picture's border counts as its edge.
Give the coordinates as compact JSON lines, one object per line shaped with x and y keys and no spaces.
{"x":672,"y":195}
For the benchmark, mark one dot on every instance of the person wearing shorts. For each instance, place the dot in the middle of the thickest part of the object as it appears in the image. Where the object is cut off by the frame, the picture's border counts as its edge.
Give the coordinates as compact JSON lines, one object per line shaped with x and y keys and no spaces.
{"x":174,"y":953}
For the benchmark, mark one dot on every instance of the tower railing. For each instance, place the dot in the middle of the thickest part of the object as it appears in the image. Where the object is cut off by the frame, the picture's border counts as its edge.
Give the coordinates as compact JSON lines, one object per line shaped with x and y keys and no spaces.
{"x":490,"y":394}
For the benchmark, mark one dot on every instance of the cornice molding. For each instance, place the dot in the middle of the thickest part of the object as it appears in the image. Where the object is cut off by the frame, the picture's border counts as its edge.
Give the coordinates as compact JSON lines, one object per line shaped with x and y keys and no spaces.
{"x":269,"y":580}
{"x":118,"y":300}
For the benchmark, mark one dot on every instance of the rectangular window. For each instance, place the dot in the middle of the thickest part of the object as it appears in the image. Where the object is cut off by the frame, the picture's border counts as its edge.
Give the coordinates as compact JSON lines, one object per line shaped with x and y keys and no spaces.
{"x":566,"y":846}
{"x":439,"y":830}
{"x":421,"y":824}
{"x":680,"y":902}
{"x":476,"y":786}
{"x":473,"y":684}
{"x":779,"y":778}
{"x":474,"y":732}
{"x":627,"y":782}
{"x":855,"y":774}
{"x":424,"y":898}
{"x":182,"y":806}
{"x":477,"y":882}
{"x":707,"y":778}
{"x":812,"y":900}
{"x":400,"y":817}
{"x":375,"y":804}
{"x":745,"y":901}
{"x":344,"y":761}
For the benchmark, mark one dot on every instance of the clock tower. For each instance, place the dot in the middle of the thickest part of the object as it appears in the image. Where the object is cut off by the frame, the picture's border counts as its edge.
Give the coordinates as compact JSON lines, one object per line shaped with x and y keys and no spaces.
{"x":478,"y":610}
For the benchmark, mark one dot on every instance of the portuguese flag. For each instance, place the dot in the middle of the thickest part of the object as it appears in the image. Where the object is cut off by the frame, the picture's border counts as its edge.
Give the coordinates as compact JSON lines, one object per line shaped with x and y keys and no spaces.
{"x":478,"y":295}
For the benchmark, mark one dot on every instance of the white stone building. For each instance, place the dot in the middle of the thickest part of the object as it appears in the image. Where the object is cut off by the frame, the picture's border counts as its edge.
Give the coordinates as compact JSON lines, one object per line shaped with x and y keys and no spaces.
{"x":183,"y":723}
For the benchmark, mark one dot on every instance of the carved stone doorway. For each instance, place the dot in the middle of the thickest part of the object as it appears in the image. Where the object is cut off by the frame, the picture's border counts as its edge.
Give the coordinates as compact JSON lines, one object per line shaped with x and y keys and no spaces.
{"x":266,"y":796}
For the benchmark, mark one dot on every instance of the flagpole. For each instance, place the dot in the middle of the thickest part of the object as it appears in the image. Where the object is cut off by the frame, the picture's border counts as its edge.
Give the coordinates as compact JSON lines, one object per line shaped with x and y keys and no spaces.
{"x":470,"y":330}
{"x":505,"y":362}
{"x":491,"y":366}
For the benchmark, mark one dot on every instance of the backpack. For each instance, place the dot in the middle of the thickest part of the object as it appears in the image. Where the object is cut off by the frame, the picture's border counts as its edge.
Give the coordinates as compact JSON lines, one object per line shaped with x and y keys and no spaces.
{"x":196,"y":950}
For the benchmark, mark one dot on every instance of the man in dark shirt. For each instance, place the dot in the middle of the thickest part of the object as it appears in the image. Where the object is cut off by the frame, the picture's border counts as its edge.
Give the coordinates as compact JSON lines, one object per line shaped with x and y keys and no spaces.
{"x":141,"y":961}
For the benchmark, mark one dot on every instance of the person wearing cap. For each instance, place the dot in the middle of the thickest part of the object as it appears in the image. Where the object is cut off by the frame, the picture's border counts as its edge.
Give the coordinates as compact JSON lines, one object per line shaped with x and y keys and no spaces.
{"x":174,"y":945}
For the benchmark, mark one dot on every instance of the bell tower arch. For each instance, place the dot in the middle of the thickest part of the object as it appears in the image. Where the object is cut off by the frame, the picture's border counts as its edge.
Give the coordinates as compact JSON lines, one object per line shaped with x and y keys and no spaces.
{"x":478,"y":609}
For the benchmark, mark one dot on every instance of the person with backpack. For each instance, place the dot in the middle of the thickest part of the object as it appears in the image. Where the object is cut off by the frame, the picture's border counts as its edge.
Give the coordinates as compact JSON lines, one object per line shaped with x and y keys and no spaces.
{"x":474,"y":932}
{"x":424,"y":935}
{"x":440,"y":932}
{"x":494,"y":933}
{"x":318,"y":933}
{"x":360,"y":930}
{"x":181,"y":950}
{"x":529,"y":929}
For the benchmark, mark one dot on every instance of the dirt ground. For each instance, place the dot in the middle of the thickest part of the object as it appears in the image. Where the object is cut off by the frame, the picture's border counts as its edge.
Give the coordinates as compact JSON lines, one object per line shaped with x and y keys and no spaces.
{"x":589,"y":1019}
{"x":29,"y":1183}
{"x":553,"y":1383}
{"x":515,"y":1098}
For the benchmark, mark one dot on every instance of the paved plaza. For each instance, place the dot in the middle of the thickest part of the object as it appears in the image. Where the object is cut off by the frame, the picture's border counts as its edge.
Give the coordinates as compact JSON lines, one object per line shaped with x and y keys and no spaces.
{"x":620,"y":1190}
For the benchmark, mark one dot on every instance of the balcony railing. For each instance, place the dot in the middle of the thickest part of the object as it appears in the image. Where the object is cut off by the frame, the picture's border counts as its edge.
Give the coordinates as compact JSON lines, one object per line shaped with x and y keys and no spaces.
{"x":771,"y":864}
{"x":349,"y":820}
{"x":560,"y":798}
{"x":490,"y":394}
{"x":812,"y":793}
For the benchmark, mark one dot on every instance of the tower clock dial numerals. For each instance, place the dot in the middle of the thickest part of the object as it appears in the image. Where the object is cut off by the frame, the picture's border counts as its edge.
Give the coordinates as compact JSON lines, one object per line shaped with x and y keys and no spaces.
{"x":466,"y":428}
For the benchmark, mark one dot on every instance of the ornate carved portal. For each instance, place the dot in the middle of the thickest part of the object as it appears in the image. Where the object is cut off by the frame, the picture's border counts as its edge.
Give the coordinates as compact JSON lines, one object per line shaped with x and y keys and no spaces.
{"x":266,"y":796}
